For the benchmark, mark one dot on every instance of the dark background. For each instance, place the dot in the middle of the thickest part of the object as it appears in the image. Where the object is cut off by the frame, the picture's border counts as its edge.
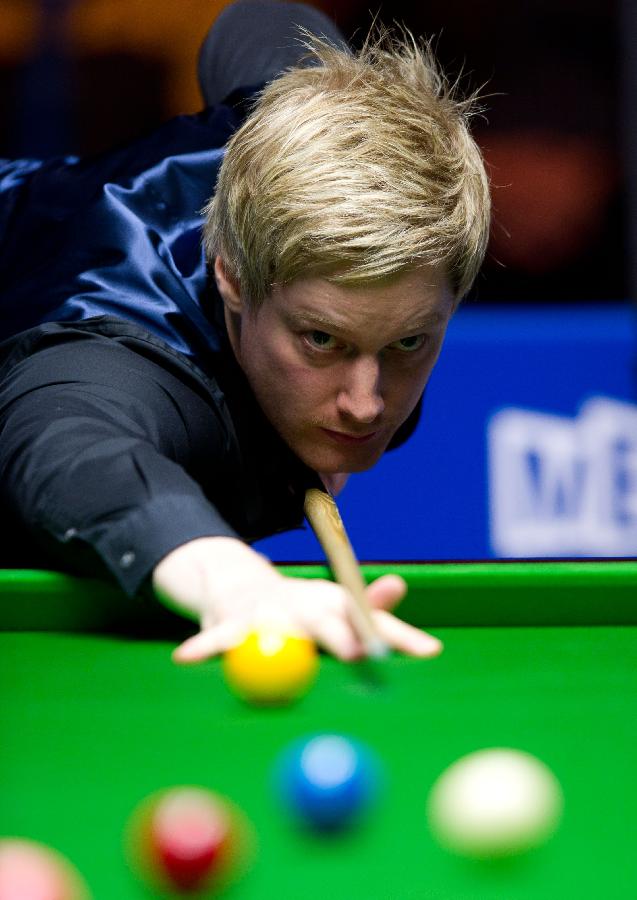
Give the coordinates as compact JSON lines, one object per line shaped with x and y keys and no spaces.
{"x":80,"y":76}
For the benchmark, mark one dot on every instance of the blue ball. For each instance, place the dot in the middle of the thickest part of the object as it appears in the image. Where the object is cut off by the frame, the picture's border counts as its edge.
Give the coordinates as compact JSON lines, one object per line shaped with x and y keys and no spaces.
{"x":329,"y":780}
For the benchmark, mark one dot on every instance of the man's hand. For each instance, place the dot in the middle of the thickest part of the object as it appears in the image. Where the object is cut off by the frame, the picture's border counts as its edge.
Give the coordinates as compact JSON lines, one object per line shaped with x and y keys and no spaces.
{"x":231,"y":589}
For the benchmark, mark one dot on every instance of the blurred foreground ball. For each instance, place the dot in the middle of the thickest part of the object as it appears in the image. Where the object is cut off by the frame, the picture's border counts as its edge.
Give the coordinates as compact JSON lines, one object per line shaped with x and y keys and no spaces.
{"x":33,"y":871}
{"x":495,"y":803}
{"x":187,"y":839}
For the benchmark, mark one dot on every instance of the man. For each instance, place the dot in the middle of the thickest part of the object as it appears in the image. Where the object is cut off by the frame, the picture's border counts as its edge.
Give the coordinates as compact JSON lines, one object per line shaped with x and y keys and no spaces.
{"x":156,"y":421}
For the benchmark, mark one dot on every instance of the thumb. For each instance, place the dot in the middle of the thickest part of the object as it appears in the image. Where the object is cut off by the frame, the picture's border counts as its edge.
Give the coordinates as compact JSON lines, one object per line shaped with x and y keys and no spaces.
{"x":386,"y":592}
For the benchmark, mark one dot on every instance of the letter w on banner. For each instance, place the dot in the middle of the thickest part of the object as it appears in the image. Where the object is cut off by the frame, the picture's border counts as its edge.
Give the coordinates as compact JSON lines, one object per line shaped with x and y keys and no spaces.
{"x":564,"y":487}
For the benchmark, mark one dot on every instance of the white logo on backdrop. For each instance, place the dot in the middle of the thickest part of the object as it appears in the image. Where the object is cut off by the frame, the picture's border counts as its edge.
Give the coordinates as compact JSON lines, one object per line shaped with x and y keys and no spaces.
{"x":564,"y":487}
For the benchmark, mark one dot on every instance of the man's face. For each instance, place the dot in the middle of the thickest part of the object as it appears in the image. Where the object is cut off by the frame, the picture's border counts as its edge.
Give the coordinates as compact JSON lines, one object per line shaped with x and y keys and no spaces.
{"x":336,"y":369}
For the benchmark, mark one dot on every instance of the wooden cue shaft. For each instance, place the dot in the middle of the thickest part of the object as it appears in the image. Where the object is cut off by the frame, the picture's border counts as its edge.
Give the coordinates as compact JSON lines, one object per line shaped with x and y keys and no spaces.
{"x":323,"y":515}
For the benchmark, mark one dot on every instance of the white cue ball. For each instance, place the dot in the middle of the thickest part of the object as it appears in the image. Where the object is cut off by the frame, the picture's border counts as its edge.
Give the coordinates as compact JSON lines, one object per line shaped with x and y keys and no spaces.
{"x":494,"y":803}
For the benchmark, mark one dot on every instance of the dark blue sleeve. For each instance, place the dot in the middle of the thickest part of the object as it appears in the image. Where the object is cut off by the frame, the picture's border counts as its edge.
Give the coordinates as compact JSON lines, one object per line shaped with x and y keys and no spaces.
{"x":118,"y":234}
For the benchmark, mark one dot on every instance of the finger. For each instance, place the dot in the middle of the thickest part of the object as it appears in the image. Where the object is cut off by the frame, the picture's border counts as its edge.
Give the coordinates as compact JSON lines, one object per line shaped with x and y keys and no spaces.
{"x":386,"y":592}
{"x":209,"y":642}
{"x":406,"y":638}
{"x":335,"y":635}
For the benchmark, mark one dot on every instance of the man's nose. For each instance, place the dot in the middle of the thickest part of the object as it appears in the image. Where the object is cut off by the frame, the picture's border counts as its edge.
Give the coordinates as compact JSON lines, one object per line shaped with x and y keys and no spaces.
{"x":360,"y":398}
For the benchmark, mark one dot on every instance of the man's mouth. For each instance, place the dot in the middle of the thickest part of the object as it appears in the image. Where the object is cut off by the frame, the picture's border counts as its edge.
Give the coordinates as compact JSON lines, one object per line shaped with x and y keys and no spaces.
{"x":344,"y":437}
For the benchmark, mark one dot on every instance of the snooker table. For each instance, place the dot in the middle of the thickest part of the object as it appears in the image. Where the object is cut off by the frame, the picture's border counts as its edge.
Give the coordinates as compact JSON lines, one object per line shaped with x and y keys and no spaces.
{"x":539,"y":656}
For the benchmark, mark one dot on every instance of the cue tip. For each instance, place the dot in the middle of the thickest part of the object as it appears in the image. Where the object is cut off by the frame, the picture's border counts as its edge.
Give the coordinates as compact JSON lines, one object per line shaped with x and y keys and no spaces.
{"x":377,"y":648}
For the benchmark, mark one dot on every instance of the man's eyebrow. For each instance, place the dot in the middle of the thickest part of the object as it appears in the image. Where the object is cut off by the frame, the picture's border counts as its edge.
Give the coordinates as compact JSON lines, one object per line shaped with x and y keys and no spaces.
{"x":306,"y":316}
{"x":309,"y":317}
{"x":432,"y":319}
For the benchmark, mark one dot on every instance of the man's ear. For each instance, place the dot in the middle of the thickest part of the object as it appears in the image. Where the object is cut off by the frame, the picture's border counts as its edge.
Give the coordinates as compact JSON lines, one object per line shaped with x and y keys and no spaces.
{"x":228,"y":287}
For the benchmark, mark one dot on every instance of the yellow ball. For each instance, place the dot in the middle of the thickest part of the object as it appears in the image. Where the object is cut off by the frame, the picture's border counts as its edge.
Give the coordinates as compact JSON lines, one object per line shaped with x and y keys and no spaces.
{"x":271,"y":667}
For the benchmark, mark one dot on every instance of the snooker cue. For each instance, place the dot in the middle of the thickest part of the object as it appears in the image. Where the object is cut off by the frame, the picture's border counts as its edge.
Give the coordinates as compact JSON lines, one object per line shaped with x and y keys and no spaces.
{"x":323,"y":515}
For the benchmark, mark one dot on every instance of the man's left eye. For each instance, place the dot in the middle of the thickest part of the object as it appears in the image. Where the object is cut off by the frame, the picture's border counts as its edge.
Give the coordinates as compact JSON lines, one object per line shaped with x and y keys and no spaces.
{"x":409,"y":344}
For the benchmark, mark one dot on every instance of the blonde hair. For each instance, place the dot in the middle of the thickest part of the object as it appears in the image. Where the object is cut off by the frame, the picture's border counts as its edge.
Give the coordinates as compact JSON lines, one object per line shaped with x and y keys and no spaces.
{"x":356,"y":168}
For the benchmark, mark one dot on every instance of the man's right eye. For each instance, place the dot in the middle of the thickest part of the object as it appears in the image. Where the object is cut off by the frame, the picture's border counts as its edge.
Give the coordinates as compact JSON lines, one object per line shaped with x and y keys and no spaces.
{"x":321,"y":340}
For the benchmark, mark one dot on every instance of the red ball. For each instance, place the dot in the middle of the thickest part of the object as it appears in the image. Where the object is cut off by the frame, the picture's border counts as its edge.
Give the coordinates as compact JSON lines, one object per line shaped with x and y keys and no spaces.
{"x":190,"y":832}
{"x":187,"y":839}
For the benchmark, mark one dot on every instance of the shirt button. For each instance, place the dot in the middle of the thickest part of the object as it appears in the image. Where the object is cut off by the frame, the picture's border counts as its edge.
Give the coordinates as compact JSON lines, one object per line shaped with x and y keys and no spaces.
{"x":127,"y":559}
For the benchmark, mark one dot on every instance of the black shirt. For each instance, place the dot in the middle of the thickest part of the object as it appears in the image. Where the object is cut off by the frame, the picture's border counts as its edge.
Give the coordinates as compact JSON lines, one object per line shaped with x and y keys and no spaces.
{"x":115,"y":449}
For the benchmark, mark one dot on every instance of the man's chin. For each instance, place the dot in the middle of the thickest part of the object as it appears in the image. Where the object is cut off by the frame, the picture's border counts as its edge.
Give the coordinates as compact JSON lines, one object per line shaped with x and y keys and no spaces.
{"x":333,"y":462}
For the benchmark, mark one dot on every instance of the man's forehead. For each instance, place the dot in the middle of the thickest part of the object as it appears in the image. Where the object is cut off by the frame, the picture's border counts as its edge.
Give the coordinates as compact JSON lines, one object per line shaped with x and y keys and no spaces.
{"x":415,"y":301}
